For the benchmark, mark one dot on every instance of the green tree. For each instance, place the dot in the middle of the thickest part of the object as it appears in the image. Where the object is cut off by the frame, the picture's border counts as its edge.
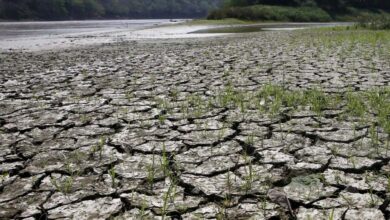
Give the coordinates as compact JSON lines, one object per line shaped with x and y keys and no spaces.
{"x":47,"y":9}
{"x":1,"y":9}
{"x":93,"y":8}
{"x":76,"y":8}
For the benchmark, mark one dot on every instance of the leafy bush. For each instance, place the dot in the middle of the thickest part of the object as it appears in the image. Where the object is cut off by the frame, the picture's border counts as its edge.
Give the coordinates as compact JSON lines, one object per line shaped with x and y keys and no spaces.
{"x":375,"y":22}
{"x":272,"y":13}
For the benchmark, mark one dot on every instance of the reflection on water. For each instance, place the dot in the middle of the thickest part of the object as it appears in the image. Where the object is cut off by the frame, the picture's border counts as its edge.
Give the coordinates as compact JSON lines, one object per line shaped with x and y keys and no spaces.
{"x":33,"y":36}
{"x":37,"y":29}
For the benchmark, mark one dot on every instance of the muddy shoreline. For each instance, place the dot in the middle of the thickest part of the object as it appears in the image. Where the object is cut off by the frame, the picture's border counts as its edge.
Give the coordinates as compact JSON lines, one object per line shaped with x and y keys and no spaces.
{"x":46,"y":36}
{"x":131,"y":129}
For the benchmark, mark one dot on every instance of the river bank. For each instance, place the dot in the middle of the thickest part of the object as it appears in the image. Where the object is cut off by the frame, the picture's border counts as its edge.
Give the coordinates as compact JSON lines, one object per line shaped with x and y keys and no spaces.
{"x":44,"y":36}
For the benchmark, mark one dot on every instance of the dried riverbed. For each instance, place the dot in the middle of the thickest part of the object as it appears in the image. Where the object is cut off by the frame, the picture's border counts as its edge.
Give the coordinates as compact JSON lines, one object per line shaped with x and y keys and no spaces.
{"x":182,"y":128}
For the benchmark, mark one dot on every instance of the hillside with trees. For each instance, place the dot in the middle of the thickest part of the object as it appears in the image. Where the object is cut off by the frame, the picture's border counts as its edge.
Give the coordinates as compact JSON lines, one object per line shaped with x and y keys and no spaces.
{"x":95,"y":9}
{"x":329,"y":5}
{"x":300,"y":10}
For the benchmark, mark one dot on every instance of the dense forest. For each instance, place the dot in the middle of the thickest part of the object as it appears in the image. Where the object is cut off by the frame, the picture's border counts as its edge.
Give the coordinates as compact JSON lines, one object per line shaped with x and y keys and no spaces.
{"x":329,"y":5}
{"x":83,"y":9}
{"x":301,"y":10}
{"x":297,"y":10}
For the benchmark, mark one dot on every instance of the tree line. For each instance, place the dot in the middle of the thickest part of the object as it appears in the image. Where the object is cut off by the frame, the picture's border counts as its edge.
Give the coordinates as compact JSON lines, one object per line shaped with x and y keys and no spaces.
{"x":83,"y":9}
{"x":328,"y":5}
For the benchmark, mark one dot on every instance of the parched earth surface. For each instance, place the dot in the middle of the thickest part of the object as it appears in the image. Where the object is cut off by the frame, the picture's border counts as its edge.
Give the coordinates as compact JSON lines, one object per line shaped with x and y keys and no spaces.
{"x":131,"y":131}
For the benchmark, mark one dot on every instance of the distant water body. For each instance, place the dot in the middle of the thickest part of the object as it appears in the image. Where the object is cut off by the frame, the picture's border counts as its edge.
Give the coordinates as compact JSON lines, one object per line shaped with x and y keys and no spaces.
{"x":38,"y":29}
{"x":36,"y":36}
{"x":50,"y":35}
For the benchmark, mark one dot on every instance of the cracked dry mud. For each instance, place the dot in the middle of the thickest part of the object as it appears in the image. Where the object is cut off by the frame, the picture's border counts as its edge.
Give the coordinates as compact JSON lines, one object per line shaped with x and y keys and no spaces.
{"x":122,"y":132}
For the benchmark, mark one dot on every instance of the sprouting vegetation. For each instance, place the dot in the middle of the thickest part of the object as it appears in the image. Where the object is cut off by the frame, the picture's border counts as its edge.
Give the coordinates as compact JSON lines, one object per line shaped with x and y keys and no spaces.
{"x":112,"y":174}
{"x":221,"y":136}
{"x":98,"y":148}
{"x":63,"y":185}
{"x":151,"y":172}
{"x":274,"y":101}
{"x":249,"y":174}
